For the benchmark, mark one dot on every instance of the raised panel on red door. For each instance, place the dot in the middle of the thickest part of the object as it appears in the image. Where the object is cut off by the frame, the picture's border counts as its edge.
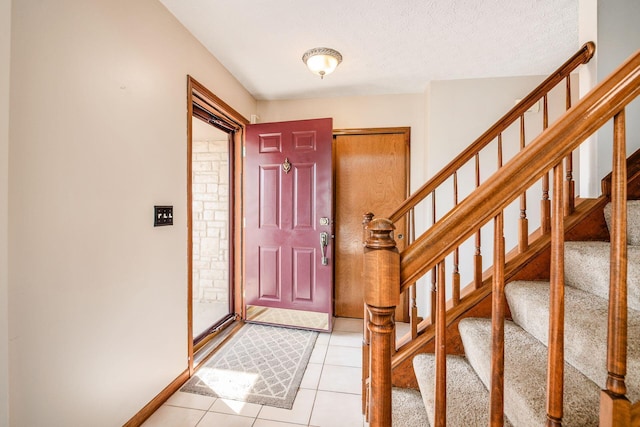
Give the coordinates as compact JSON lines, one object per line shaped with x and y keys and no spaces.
{"x":288,"y":204}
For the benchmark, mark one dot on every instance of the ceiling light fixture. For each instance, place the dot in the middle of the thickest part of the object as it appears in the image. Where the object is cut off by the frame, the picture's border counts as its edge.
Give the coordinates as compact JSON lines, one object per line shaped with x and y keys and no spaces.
{"x":322,"y":60}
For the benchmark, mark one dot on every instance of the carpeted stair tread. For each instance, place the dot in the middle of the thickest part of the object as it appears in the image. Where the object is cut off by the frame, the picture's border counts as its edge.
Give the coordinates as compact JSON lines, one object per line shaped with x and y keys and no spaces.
{"x":407,"y":408}
{"x":467,"y":397}
{"x":586,"y":267}
{"x":525,"y":376}
{"x":633,"y":221}
{"x":585,"y":329}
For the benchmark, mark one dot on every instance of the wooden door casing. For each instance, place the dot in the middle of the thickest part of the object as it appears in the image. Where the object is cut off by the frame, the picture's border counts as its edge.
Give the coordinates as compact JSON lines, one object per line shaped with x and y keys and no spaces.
{"x":371,"y":169}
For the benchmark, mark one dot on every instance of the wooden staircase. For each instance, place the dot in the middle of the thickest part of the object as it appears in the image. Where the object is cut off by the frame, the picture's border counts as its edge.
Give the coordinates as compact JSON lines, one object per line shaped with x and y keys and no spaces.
{"x":585,"y":336}
{"x":436,"y":258}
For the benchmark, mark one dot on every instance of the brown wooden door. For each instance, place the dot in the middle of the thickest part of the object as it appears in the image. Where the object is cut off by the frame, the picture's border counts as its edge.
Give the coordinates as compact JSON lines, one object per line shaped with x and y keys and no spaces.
{"x":371,"y":175}
{"x":288,"y":210}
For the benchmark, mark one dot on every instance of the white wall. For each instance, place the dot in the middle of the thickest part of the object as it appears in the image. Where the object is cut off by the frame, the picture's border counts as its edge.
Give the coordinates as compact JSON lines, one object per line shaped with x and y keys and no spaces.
{"x":588,"y":31}
{"x":361,"y":112}
{"x":459,"y":111}
{"x":98,"y":296}
{"x":618,"y":38}
{"x":613,"y":26}
{"x":5,"y":43}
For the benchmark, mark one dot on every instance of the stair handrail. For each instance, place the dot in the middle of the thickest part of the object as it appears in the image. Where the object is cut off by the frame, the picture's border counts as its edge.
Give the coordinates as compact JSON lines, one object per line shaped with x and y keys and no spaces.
{"x":483,"y":204}
{"x":547,"y":151}
{"x":582,"y":56}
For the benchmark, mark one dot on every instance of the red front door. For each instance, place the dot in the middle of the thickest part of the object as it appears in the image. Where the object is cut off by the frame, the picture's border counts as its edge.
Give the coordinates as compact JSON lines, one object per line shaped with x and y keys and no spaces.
{"x":289,"y":227}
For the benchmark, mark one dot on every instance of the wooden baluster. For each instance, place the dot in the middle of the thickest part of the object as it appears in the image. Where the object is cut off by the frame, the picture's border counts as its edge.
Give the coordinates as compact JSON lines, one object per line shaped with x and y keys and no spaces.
{"x":414,"y":320}
{"x":412,"y":231}
{"x":569,"y":183}
{"x":555,"y":363}
{"x":615,"y":409}
{"x":367,"y":217}
{"x":497,"y":316}
{"x":523,"y":229}
{"x":455,"y":286}
{"x":414,"y":313}
{"x":545,"y":204}
{"x":568,"y":92}
{"x":477,"y":258}
{"x":381,"y":295}
{"x":440,"y":417}
{"x":477,"y":263}
{"x":497,"y":325}
{"x":432,"y":314}
{"x":434,"y":273}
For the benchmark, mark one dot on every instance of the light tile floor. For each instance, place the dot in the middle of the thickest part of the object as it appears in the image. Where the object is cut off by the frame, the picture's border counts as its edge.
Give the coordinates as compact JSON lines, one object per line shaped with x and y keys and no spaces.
{"x":329,"y":395}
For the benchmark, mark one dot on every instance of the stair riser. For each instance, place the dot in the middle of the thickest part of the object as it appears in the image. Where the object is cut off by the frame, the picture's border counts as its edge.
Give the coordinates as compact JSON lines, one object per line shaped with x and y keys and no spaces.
{"x":525,"y":376}
{"x":467,"y":398}
{"x":633,"y":221}
{"x":586,"y":267}
{"x":585,"y":337}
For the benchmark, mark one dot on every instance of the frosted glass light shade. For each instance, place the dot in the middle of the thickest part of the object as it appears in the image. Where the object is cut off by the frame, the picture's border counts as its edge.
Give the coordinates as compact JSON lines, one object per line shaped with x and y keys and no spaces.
{"x":322,"y":60}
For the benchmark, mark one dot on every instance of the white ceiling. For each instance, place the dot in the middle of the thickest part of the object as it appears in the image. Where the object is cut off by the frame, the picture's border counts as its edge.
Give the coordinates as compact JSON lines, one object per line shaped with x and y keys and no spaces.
{"x":389,"y":46}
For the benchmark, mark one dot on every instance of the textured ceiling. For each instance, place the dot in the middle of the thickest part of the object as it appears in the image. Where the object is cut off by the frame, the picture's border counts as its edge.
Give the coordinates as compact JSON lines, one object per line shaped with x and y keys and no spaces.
{"x":389,"y":46}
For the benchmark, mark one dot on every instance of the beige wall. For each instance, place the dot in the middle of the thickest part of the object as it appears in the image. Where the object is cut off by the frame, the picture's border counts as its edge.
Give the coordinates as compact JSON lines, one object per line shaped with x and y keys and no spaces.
{"x":613,"y":26}
{"x":588,"y":31}
{"x":360,"y":112}
{"x":5,"y":40}
{"x":461,"y":110}
{"x":458,"y":112}
{"x":98,"y":322}
{"x":618,"y":37}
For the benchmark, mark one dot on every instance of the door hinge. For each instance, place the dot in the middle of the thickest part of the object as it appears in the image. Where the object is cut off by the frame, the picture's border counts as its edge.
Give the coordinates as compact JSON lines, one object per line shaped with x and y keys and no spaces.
{"x":244,"y":151}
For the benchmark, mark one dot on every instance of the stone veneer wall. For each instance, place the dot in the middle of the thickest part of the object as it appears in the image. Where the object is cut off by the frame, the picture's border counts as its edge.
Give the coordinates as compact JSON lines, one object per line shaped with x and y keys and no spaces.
{"x":210,"y":192}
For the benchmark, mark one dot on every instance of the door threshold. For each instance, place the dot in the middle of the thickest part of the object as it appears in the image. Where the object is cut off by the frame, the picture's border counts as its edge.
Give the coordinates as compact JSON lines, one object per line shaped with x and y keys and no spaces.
{"x":207,"y":347}
{"x":286,"y":317}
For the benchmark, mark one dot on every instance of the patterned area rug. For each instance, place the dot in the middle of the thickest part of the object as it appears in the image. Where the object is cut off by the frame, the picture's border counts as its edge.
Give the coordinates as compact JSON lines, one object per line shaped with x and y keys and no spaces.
{"x":260,"y":364}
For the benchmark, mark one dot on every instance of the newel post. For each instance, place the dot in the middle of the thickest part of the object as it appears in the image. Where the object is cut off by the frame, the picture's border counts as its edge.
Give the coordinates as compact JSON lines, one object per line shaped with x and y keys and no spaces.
{"x":381,"y":296}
